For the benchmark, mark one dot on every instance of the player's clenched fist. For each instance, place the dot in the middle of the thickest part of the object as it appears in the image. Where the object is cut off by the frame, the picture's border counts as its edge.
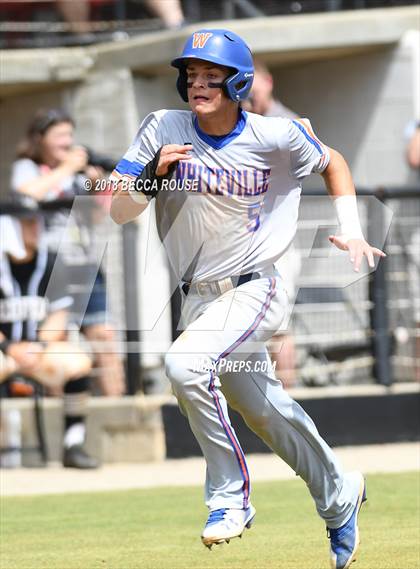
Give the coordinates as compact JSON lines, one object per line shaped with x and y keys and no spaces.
{"x":170,"y":154}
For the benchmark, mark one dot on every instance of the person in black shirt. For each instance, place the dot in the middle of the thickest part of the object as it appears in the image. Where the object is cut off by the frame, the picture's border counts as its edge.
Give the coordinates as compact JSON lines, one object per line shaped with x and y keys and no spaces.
{"x":33,"y":322}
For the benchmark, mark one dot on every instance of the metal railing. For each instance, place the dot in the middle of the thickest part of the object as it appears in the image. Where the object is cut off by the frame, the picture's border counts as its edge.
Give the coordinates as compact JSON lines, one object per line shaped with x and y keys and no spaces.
{"x":347,"y":328}
{"x":38,"y":23}
{"x":369,"y":329}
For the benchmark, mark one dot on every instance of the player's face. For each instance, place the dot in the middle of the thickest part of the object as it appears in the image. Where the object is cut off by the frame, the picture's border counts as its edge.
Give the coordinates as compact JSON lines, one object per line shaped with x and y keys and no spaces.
{"x":31,"y":232}
{"x":205,"y":100}
{"x":56,"y":142}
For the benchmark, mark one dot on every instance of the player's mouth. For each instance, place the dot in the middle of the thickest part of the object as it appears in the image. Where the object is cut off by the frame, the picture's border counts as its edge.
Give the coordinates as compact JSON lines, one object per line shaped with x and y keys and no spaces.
{"x":200,"y":98}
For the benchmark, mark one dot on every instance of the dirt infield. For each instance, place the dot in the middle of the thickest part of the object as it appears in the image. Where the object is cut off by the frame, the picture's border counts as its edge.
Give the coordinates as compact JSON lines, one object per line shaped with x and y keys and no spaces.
{"x":191,"y":471}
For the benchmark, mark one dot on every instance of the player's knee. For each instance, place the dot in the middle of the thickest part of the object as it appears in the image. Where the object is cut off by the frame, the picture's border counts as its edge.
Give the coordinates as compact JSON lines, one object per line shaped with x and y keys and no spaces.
{"x":258,"y":424}
{"x":183,"y":370}
{"x":257,"y":418}
{"x":176,"y":368}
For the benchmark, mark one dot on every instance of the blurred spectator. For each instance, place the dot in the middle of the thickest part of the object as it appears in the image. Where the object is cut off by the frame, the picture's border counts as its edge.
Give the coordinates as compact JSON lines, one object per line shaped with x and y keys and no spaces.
{"x":281,"y":346}
{"x":50,"y":23}
{"x":169,"y":11}
{"x":261,"y":100}
{"x":76,"y":13}
{"x":33,"y":323}
{"x":50,"y":166}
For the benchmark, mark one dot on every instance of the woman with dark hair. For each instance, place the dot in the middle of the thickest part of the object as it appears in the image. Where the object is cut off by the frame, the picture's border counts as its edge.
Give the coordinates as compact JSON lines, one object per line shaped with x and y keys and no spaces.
{"x":50,"y":166}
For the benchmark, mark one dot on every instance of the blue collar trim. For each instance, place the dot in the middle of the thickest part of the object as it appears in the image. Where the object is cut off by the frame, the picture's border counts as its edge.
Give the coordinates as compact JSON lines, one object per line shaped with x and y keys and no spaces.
{"x":218,"y":142}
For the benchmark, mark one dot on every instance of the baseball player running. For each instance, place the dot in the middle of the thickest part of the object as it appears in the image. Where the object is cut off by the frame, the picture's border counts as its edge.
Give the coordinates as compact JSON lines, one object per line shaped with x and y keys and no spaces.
{"x":227,"y":186}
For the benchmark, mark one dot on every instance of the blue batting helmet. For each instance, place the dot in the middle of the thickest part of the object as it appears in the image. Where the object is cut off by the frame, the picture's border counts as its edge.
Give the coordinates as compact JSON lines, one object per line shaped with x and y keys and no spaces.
{"x":223,"y":48}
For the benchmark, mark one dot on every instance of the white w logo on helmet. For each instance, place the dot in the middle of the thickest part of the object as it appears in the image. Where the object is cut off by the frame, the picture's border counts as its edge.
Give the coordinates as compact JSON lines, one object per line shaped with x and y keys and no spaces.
{"x":200,"y":39}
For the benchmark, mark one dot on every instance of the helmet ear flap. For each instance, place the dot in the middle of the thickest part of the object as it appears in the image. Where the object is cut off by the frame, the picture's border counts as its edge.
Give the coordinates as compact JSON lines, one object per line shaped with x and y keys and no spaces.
{"x":181,"y":84}
{"x":238,"y":86}
{"x":225,"y":88}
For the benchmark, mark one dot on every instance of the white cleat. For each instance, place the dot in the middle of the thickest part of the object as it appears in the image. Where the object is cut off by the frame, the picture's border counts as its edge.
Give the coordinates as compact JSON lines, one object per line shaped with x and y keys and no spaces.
{"x":225,"y":524}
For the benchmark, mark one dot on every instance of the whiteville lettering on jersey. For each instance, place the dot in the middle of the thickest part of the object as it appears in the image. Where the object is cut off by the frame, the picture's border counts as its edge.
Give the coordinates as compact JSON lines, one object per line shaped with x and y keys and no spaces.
{"x":222,"y":181}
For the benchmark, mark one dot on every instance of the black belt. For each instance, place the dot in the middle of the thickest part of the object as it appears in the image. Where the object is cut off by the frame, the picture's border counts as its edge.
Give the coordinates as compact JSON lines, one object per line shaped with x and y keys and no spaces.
{"x":242,"y":279}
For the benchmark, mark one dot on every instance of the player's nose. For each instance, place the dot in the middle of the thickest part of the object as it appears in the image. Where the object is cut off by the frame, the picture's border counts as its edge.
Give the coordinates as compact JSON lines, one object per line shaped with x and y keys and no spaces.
{"x":198,"y":82}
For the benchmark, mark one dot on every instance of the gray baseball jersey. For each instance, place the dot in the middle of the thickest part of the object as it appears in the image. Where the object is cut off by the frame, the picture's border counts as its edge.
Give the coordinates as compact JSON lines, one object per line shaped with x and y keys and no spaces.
{"x":237,"y":214}
{"x":238,"y":195}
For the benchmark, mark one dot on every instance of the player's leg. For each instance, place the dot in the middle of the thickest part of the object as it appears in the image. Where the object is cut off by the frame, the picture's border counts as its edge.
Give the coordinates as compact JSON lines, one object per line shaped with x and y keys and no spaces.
{"x":290,"y":432}
{"x":218,"y":327}
{"x":286,"y":428}
{"x":202,"y":402}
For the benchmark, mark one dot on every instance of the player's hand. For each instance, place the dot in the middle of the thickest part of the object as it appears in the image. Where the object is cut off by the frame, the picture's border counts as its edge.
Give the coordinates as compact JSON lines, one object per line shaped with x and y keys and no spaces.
{"x":76,"y":160}
{"x":171,"y":153}
{"x":357,"y":248}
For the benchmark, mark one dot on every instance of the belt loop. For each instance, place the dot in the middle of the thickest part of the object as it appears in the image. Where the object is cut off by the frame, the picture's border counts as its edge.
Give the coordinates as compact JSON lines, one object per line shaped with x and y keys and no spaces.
{"x":201,"y":289}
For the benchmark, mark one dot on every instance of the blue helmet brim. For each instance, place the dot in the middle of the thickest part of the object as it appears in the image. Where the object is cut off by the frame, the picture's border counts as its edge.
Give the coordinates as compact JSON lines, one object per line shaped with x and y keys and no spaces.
{"x":182,"y":62}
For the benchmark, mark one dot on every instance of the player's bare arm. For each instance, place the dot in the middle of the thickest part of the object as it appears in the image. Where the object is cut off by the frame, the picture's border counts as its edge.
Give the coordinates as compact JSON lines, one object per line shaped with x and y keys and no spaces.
{"x":340,"y":185}
{"x":125,"y":207}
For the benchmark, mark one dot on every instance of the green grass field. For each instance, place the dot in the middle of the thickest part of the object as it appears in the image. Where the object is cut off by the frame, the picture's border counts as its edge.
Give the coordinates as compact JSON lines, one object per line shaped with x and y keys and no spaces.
{"x":159,"y":529}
